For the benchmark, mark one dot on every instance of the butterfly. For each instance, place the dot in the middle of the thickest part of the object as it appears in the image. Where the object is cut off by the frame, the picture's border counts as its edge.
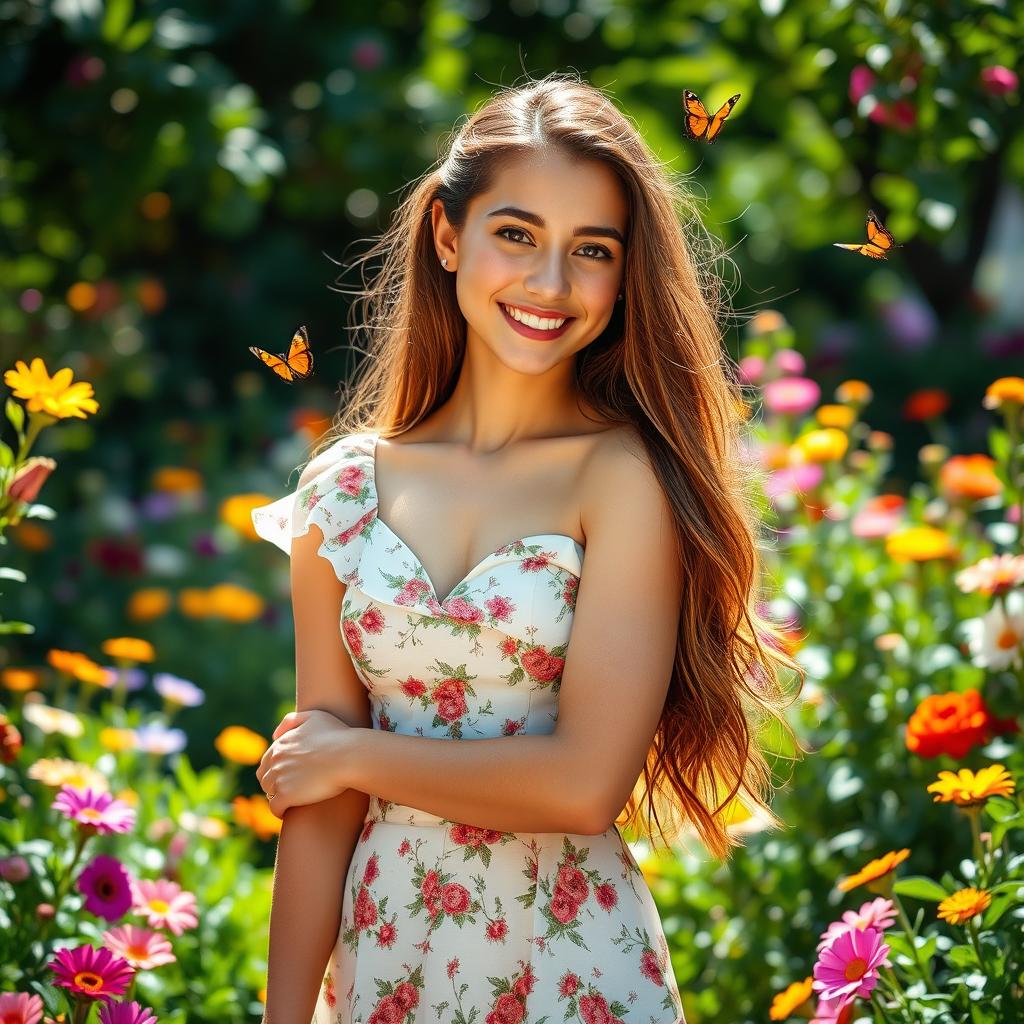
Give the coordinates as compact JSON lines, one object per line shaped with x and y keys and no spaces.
{"x":699,"y":124}
{"x":879,"y":242}
{"x":297,"y":365}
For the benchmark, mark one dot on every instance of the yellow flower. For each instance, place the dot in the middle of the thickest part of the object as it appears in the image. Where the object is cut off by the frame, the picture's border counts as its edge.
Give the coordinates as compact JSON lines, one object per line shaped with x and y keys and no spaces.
{"x":874,"y":870}
{"x":234,"y":603}
{"x":236,"y":512}
{"x":148,"y":603}
{"x":840,"y":416}
{"x":18,"y":680}
{"x":825,"y":445}
{"x":59,"y":771}
{"x":786,"y":1004}
{"x":1004,"y":391}
{"x":79,"y":667}
{"x":116,"y":740}
{"x":194,"y":603}
{"x":854,"y":392}
{"x":919,"y":544}
{"x":241,"y":745}
{"x":130,"y":648}
{"x":964,"y":904}
{"x":968,"y":789}
{"x":129,"y":796}
{"x":55,"y":396}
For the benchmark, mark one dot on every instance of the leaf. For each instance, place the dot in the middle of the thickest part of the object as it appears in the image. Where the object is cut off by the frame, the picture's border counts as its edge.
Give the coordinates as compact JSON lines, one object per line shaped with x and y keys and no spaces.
{"x":920,"y":887}
{"x":16,"y":414}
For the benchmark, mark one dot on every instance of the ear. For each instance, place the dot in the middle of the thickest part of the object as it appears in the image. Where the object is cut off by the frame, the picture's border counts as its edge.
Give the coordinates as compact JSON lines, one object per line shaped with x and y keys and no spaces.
{"x":445,"y":237}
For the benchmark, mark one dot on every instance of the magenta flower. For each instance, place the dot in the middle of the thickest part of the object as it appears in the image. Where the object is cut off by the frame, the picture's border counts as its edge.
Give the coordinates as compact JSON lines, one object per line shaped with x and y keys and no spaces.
{"x":999,"y":80}
{"x":792,"y":395}
{"x":848,"y":966}
{"x":164,"y":904}
{"x":877,"y":913}
{"x":751,"y":369}
{"x":862,"y":81}
{"x":107,"y":887}
{"x":830,"y":1011}
{"x":94,"y":973}
{"x":789,"y":361}
{"x":99,"y":811}
{"x":798,"y":479}
{"x":20,"y":1008}
{"x":142,"y":948}
{"x":126,"y":1013}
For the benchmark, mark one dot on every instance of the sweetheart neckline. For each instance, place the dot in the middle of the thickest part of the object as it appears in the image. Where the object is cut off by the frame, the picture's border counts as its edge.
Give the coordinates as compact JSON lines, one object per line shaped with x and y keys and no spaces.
{"x":372,"y":479}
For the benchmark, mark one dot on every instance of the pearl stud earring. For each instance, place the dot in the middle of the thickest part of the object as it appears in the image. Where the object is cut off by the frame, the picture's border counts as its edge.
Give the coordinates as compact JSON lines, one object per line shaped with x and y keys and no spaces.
{"x":444,"y":262}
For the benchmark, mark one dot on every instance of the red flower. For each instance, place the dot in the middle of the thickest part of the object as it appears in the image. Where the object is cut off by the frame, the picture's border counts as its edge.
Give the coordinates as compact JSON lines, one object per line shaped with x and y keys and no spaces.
{"x":496,"y":932}
{"x":388,"y":1011}
{"x":508,"y":1009}
{"x":563,"y":907}
{"x":412,"y":687}
{"x":568,"y":984}
{"x":541,"y":665}
{"x":350,"y":480}
{"x":372,"y":620}
{"x":431,"y":884}
{"x":354,"y":638}
{"x":574,"y":882}
{"x":606,"y":896}
{"x":500,"y":608}
{"x":650,"y":968}
{"x":27,"y":481}
{"x":371,"y":871}
{"x":953,"y":723}
{"x":406,"y":995}
{"x":365,"y":912}
{"x":386,"y":935}
{"x":454,"y":898}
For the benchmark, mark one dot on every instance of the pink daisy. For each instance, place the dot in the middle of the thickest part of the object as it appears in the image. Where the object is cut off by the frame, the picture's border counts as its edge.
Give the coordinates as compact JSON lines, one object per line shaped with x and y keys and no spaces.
{"x":90,"y":972}
{"x":99,"y":811}
{"x":164,"y":904}
{"x":106,"y":886}
{"x":877,"y":913}
{"x":142,"y":948}
{"x":848,"y":966}
{"x":20,"y":1008}
{"x":126,"y":1013}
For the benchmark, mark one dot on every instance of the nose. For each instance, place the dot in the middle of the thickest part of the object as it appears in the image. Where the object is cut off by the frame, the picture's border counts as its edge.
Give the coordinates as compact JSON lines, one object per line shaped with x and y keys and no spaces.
{"x":548,"y":281}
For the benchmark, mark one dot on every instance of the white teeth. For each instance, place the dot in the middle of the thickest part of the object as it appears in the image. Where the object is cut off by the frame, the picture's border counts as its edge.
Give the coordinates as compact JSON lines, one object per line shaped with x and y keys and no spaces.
{"x":536,"y":322}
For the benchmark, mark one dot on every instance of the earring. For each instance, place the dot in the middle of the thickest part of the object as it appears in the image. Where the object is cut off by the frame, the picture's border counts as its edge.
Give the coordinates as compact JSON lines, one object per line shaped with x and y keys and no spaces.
{"x":444,"y":262}
{"x":620,"y":295}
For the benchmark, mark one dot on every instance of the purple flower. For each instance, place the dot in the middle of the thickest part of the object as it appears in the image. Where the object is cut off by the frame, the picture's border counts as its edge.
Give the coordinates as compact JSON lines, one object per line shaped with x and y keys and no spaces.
{"x":107,"y":887}
{"x":126,"y":1013}
{"x":14,"y":869}
{"x":911,"y":322}
{"x":155,"y":738}
{"x":178,"y":691}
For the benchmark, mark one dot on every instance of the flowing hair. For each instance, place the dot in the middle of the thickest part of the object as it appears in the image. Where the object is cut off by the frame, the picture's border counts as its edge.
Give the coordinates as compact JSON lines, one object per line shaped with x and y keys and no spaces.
{"x":658,"y":365}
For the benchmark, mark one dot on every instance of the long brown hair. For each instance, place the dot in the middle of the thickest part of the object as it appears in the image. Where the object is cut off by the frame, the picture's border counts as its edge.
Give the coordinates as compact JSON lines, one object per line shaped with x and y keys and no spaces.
{"x":660,"y":366}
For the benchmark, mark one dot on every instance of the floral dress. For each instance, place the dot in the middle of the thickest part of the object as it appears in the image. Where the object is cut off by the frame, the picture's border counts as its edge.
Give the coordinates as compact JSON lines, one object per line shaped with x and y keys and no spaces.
{"x":444,"y":921}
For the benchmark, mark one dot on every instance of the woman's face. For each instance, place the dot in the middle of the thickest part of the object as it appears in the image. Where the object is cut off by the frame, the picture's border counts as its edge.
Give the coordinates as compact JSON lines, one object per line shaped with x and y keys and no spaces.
{"x":547,"y":238}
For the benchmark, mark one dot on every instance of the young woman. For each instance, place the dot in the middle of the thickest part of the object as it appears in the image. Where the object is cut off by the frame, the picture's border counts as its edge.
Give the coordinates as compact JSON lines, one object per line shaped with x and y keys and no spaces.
{"x":545,"y":388}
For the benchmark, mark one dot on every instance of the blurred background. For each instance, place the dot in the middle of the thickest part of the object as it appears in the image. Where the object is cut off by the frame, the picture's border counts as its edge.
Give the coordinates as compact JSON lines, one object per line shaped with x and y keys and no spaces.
{"x":181,"y":181}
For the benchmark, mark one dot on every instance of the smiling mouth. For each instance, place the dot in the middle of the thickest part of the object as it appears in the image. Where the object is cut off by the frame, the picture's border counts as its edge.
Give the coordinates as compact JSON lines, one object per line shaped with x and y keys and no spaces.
{"x":535,"y":332}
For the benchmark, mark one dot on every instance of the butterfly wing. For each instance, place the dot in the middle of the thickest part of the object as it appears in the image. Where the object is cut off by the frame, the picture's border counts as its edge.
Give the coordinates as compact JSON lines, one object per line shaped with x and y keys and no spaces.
{"x":879,"y":242}
{"x":719,"y":119}
{"x":300,"y":355}
{"x":276,"y":363}
{"x":697,"y":118}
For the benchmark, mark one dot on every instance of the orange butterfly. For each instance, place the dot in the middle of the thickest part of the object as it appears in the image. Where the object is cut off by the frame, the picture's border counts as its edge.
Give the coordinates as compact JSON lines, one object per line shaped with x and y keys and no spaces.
{"x":699,"y":124}
{"x":297,"y":365}
{"x":879,"y":242}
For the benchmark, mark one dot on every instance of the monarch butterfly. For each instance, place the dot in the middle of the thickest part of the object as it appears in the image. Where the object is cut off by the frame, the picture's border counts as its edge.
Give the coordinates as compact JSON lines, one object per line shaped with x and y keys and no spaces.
{"x":297,"y":365}
{"x":879,"y":242}
{"x":699,"y":124}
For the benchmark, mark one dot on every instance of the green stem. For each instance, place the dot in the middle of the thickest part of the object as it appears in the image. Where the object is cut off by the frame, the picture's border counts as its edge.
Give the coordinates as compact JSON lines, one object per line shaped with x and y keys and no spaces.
{"x":973,"y":814}
{"x":972,"y":932}
{"x":923,"y":967}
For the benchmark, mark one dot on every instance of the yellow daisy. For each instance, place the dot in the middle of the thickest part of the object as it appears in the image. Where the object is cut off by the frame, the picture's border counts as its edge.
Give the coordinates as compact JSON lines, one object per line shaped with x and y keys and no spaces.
{"x":964,"y":904}
{"x":969,"y":789}
{"x":55,"y":396}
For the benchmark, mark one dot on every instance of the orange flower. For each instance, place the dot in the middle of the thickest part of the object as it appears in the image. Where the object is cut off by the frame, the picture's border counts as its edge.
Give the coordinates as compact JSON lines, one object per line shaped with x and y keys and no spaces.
{"x":874,"y":870}
{"x":79,"y":667}
{"x":964,"y":904}
{"x":919,"y":544}
{"x":953,"y":724}
{"x":148,"y":603}
{"x":970,"y":789}
{"x":241,"y":745}
{"x":841,"y":417}
{"x":970,"y":476}
{"x":766,"y":321}
{"x":925,"y":404}
{"x":1004,"y":391}
{"x":194,"y":603}
{"x":130,"y":648}
{"x":879,"y":441}
{"x":234,"y":603}
{"x":854,"y":392}
{"x":255,"y":813}
{"x":177,"y":480}
{"x":785,"y":1004}
{"x":19,"y":680}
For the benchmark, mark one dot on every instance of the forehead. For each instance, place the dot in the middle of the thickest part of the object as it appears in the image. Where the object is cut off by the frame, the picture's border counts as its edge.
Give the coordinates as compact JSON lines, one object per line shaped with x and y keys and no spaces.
{"x":558,"y":188}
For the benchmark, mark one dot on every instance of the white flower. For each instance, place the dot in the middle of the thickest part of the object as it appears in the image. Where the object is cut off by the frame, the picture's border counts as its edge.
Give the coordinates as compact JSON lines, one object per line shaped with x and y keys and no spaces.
{"x":996,"y":640}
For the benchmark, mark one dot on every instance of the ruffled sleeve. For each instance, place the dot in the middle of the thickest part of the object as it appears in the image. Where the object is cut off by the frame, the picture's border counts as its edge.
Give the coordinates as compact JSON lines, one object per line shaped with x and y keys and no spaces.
{"x":340,"y":499}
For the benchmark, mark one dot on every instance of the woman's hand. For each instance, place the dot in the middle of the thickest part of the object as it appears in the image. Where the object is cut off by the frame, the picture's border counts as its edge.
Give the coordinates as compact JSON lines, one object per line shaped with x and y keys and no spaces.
{"x":305,"y":763}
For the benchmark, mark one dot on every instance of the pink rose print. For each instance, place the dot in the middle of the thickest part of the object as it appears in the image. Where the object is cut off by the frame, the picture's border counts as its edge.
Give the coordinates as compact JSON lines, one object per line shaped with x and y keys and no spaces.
{"x":541,"y":665}
{"x":454,"y":898}
{"x":594,"y":1010}
{"x":450,"y":698}
{"x":413,"y":687}
{"x":346,"y":536}
{"x":365,"y":909}
{"x":470,"y":835}
{"x":406,"y":995}
{"x":497,"y":930}
{"x":459,"y":609}
{"x":507,"y":1010}
{"x":411,"y":592}
{"x":353,"y":637}
{"x":606,"y":896}
{"x":535,"y":563}
{"x":372,"y":620}
{"x":523,"y":986}
{"x":350,"y":480}
{"x":564,"y":907}
{"x":371,"y":871}
{"x":568,"y":984}
{"x":650,"y":968}
{"x":573,"y":881}
{"x":386,"y":935}
{"x":500,"y":608}
{"x":388,"y":1011}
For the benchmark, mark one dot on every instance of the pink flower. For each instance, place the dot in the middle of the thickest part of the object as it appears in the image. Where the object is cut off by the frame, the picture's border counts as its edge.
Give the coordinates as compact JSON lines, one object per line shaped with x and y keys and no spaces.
{"x":789,"y":361}
{"x":350,"y":480}
{"x":848,"y":966}
{"x":365,"y":912}
{"x":862,"y":81}
{"x":20,"y":1008}
{"x":90,"y":972}
{"x":453,"y":967}
{"x":372,"y":620}
{"x":792,"y":396}
{"x":999,"y":80}
{"x":568,"y":984}
{"x":98,"y":811}
{"x":606,"y":896}
{"x":751,"y":369}
{"x":372,"y":870}
{"x":107,"y":887}
{"x":165,"y":904}
{"x":406,"y":995}
{"x":126,"y":1013}
{"x":798,"y":479}
{"x":650,"y":968}
{"x":461,"y":610}
{"x":507,"y":1010}
{"x":497,"y":930}
{"x":500,"y":608}
{"x":353,"y":637}
{"x":877,"y":913}
{"x":563,"y":907}
{"x":142,"y":948}
{"x":386,"y":935}
{"x":541,"y":665}
{"x":878,"y":517}
{"x":14,"y":869}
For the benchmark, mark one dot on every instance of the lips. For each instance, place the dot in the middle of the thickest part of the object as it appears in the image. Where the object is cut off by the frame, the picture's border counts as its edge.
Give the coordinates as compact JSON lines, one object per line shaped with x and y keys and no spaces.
{"x":533,"y":332}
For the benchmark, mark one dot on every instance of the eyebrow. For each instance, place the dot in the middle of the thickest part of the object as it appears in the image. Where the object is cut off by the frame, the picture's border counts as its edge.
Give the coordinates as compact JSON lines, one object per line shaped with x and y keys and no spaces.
{"x":533,"y":218}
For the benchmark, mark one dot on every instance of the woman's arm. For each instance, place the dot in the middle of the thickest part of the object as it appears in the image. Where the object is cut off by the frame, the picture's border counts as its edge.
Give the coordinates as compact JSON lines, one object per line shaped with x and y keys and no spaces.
{"x":316,"y":843}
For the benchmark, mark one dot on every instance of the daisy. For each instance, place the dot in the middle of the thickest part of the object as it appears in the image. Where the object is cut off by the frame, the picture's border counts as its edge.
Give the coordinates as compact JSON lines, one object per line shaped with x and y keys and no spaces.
{"x":87,"y":971}
{"x":165,"y":904}
{"x":848,"y":966}
{"x":94,"y":810}
{"x":126,"y":1013}
{"x":107,"y":887}
{"x":59,"y":771}
{"x":968,"y":789}
{"x":20,"y":1008}
{"x":992,"y":576}
{"x":995,"y":639}
{"x":142,"y":948}
{"x":964,"y":905}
